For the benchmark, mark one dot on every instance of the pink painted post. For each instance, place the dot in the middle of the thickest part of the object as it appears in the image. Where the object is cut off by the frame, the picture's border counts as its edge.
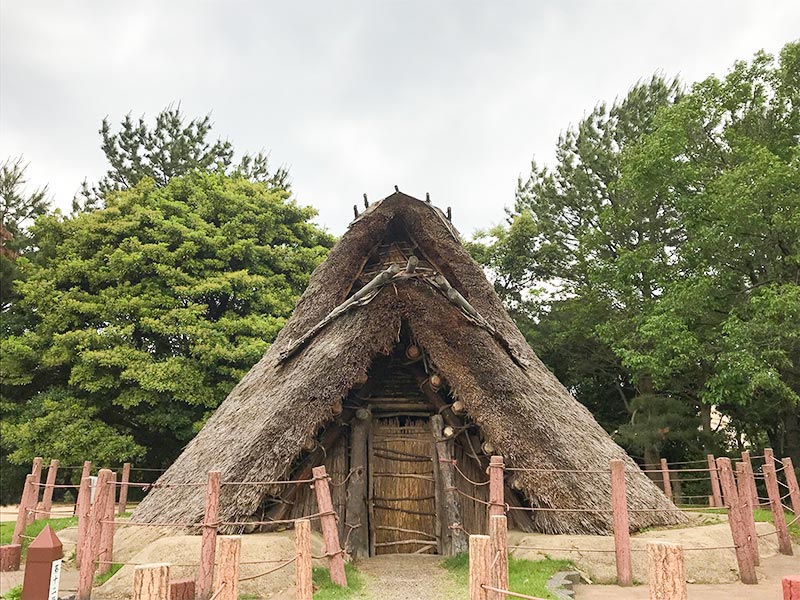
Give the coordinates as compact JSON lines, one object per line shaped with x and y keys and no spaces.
{"x":622,"y":539}
{"x":778,"y":517}
{"x":497,"y":504}
{"x":750,"y":480}
{"x":330,"y":532}
{"x":106,"y":552}
{"x":208,"y":545}
{"x":791,"y":587}
{"x":82,"y":509}
{"x":91,"y":543}
{"x":742,"y":479}
{"x":36,"y":472}
{"x":47,"y":497}
{"x":123,"y":490}
{"x":739,"y":532}
{"x":791,"y":483}
{"x":28,"y":497}
{"x":716,"y":493}
{"x":665,"y":478}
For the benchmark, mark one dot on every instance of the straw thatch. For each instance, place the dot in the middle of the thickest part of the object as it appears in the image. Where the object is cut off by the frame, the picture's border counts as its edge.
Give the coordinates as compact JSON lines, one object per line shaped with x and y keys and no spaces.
{"x":520,"y":406}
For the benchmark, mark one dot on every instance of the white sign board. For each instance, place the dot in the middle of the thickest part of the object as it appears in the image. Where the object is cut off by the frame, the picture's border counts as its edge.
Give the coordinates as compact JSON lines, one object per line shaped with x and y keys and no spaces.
{"x":55,"y":577}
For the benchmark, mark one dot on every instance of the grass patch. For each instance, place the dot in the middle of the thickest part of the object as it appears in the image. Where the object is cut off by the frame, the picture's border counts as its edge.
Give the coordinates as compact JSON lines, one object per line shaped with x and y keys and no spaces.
{"x":34,"y":529}
{"x":327,"y":590}
{"x":524,"y":576}
{"x":14,"y":593}
{"x":101,"y":579}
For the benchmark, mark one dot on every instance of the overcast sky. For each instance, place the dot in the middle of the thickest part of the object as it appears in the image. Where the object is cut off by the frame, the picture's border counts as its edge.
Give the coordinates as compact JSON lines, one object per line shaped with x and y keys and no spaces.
{"x":452,"y":98}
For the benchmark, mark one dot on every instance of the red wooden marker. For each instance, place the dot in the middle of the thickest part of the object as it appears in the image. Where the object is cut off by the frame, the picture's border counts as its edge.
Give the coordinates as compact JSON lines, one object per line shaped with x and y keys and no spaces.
{"x":43,"y":567}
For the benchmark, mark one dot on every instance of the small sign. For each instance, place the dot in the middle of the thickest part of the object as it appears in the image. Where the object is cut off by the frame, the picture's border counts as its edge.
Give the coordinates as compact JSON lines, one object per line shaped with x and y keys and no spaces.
{"x":55,"y":577}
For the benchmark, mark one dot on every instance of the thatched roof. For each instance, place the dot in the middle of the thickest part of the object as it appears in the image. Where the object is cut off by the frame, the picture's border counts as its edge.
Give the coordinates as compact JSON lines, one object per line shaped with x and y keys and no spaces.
{"x":522,"y":409}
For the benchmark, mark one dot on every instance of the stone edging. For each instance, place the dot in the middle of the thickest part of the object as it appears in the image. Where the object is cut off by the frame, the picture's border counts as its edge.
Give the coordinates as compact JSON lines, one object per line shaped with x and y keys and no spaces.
{"x":561,"y":584}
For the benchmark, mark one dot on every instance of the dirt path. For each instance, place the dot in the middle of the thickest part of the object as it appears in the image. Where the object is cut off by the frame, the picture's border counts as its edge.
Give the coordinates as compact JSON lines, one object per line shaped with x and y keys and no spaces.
{"x":770,"y":572}
{"x":407,"y":577}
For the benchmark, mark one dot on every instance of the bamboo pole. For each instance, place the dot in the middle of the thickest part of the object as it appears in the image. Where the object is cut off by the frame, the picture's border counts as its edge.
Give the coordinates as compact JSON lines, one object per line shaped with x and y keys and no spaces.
{"x":47,"y":496}
{"x":622,"y":539}
{"x":28,"y":491}
{"x":667,"y":572}
{"x":778,"y":517}
{"x":230,"y":549}
{"x":744,"y":558}
{"x":479,"y":566}
{"x":745,"y":499}
{"x":151,"y":582}
{"x":208,"y":545}
{"x":498,"y":534}
{"x":791,"y":483}
{"x":665,"y":478}
{"x":330,"y":532}
{"x":302,"y":541}
{"x":106,"y":551}
{"x":716,"y":492}
{"x":91,"y":543}
{"x":123,"y":489}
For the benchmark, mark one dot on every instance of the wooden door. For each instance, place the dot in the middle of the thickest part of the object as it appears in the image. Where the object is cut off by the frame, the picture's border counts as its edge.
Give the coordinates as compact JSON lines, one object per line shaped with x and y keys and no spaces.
{"x":402,"y":496}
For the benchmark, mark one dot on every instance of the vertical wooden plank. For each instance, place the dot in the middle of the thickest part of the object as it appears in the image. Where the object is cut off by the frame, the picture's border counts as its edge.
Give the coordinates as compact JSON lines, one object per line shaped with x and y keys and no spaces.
{"x":745,"y":500}
{"x":91,"y":543}
{"x":47,"y":496}
{"x":622,"y":539}
{"x":28,"y":496}
{"x":106,"y":551}
{"x":778,"y":517}
{"x":329,"y":530}
{"x":744,"y":558}
{"x":498,"y":534}
{"x":667,"y":572}
{"x":356,"y":505}
{"x":443,"y":533}
{"x":716,"y":493}
{"x":497,"y":504}
{"x":230,"y":548}
{"x":208,"y":545}
{"x":750,"y":481}
{"x":479,"y":566}
{"x":791,"y":483}
{"x":665,"y":478}
{"x":302,"y":541}
{"x":455,"y":542}
{"x":151,"y":582}
{"x":123,"y":489}
{"x":82,"y":509}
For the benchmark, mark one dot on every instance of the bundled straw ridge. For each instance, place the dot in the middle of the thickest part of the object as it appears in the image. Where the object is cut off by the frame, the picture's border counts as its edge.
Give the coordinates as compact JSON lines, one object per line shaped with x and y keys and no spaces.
{"x":258,"y":431}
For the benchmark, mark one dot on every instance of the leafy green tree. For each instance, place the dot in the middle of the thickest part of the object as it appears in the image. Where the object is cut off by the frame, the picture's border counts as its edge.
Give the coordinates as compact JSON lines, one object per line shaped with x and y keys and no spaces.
{"x":170,"y":149}
{"x":145,"y":313}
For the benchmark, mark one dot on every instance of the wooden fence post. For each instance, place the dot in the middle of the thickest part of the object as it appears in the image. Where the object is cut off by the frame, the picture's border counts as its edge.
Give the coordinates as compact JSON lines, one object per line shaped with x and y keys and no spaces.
{"x":667,"y":573}
{"x":665,"y":478}
{"x":123,"y":489}
{"x":791,"y":483}
{"x":83,"y":508}
{"x":356,"y":503}
{"x":745,"y":500}
{"x":497,"y":503}
{"x":744,"y":558}
{"x":106,"y":550}
{"x":778,"y":517}
{"x":791,"y":587}
{"x":498,"y":534}
{"x":208,"y":545}
{"x":750,"y":480}
{"x":10,"y":557}
{"x":716,"y":493}
{"x":330,"y":532}
{"x":453,"y":540}
{"x":230,"y":549}
{"x":480,"y":561}
{"x":151,"y":582}
{"x":622,"y":539}
{"x":47,"y":496}
{"x":36,"y":473}
{"x":28,"y":496}
{"x":91,"y":542}
{"x":302,"y":565}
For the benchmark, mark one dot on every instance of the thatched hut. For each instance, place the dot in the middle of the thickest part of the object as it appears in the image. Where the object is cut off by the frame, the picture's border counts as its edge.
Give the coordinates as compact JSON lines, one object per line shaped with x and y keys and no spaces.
{"x":400,"y":354}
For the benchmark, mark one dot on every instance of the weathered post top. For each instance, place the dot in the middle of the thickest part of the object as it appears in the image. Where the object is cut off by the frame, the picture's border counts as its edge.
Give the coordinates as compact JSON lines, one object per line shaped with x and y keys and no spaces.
{"x":43,"y":567}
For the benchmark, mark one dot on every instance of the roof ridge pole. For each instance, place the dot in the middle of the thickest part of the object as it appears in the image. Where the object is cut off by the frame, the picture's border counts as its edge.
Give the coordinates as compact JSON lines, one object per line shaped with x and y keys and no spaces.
{"x":622,"y":536}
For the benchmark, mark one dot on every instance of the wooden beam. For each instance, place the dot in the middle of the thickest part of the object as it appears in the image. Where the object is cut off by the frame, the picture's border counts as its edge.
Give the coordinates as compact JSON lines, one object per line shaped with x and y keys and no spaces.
{"x":356,"y":503}
{"x":453,"y":541}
